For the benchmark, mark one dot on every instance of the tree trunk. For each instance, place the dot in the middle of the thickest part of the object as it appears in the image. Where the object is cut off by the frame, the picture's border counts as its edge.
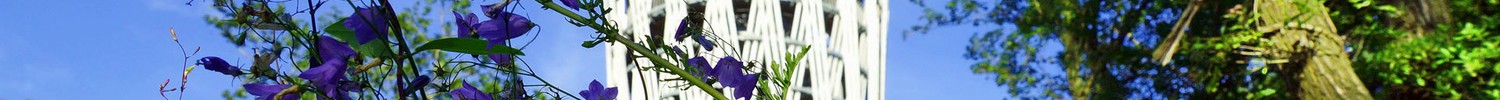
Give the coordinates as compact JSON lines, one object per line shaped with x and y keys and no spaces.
{"x":1317,"y":59}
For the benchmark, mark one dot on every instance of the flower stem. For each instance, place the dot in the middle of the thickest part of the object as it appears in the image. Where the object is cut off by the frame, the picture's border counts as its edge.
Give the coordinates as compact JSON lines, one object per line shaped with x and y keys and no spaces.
{"x":637,"y":48}
{"x":553,"y":87}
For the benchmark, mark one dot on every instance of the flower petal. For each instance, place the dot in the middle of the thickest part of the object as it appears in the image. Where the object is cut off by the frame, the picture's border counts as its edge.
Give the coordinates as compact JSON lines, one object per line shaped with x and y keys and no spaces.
{"x":468,"y":92}
{"x":502,"y":59}
{"x":596,"y":86}
{"x":707,"y":45}
{"x":587,"y":95}
{"x":571,"y":4}
{"x":729,"y":71}
{"x":329,"y":48}
{"x":745,"y":87}
{"x":268,"y":91}
{"x":609,"y":93}
{"x":367,"y":25}
{"x":511,"y":26}
{"x":597,"y":91}
{"x":465,"y":23}
{"x":493,"y":10}
{"x":417,"y":84}
{"x":327,"y":76}
{"x":703,"y":67}
{"x":264,"y":89}
{"x":679,"y":51}
{"x":682,"y":30}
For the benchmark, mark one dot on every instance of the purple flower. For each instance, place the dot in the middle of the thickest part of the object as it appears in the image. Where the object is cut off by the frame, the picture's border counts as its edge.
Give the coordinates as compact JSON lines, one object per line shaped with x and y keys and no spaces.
{"x":500,"y":29}
{"x":746,"y":88}
{"x":329,"y":49}
{"x":268,"y":91}
{"x":506,"y":25}
{"x":571,"y":4}
{"x":704,"y":70}
{"x":327,"y":77}
{"x":469,"y":93}
{"x":597,"y":91}
{"x":219,"y":65}
{"x":466,"y":23}
{"x":367,"y":25}
{"x":729,"y":75}
{"x":729,"y":72}
{"x":416,"y":84}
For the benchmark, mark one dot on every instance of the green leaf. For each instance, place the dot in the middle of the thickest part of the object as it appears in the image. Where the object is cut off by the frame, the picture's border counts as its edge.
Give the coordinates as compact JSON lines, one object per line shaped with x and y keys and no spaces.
{"x":1212,"y":89}
{"x":1261,"y":69}
{"x":378,"y":49}
{"x":227,"y":96}
{"x":1421,"y":82}
{"x":1392,"y":9}
{"x":456,"y":84}
{"x":492,"y":86}
{"x":309,"y":96}
{"x":1492,"y":93}
{"x":1266,"y":92}
{"x":338,"y":31}
{"x":468,"y":46}
{"x":1398,"y":79}
{"x":1361,"y":3}
{"x":540,"y":95}
{"x":591,"y":43}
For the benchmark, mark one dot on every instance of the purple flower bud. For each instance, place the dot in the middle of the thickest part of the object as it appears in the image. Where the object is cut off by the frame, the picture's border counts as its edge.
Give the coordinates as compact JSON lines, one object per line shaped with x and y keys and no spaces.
{"x":416,"y":84}
{"x":597,"y":91}
{"x":678,"y":51}
{"x":367,"y":24}
{"x":219,"y":65}
{"x":707,"y":45}
{"x":269,"y":91}
{"x":682,"y":30}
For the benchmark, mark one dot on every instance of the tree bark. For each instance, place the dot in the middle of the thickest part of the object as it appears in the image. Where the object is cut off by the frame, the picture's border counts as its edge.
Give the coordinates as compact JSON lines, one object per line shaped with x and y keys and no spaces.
{"x":1317,"y":58}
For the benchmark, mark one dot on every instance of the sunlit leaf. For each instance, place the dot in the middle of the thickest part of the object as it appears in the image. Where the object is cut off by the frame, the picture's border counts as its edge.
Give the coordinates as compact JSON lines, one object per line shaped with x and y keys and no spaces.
{"x":1266,"y":92}
{"x":379,"y":49}
{"x":1361,"y":3}
{"x":468,"y":46}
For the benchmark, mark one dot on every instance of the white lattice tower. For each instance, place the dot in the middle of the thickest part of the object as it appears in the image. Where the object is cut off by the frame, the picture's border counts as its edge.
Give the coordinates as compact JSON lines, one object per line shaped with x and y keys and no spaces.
{"x":846,"y":60}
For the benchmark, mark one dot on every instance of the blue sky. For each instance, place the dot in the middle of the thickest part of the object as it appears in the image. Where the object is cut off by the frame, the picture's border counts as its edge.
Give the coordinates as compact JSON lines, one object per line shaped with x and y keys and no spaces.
{"x":121,"y":50}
